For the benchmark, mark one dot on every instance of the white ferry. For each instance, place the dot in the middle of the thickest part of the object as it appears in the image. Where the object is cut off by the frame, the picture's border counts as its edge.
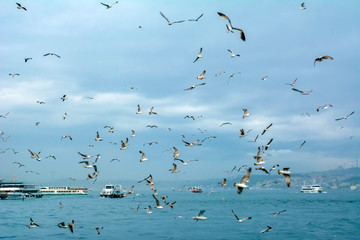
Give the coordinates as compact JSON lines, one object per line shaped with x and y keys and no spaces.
{"x":63,"y":191}
{"x":18,"y":190}
{"x":314,"y":188}
{"x":112,"y":191}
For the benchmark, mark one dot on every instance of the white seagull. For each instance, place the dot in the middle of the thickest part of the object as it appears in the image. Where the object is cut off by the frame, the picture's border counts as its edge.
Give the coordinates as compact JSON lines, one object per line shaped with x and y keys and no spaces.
{"x":200,"y":216}
{"x":240,"y":186}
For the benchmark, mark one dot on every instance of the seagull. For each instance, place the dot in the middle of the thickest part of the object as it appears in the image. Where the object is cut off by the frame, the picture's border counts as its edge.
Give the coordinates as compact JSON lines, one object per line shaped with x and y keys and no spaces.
{"x":114,"y":159}
{"x":172,"y":205}
{"x":198,"y":56}
{"x":233,"y":74}
{"x":14,"y":74}
{"x":200,"y":216}
{"x":262,"y":169}
{"x":242,"y":133}
{"x":63,"y":98}
{"x":323,"y":107}
{"x":202,"y":76}
{"x":268,"y":228}
{"x":143,"y":158}
{"x":20,"y":164}
{"x":220,"y":73}
{"x":71,"y":226}
{"x":40,"y":102}
{"x":225,"y":123}
{"x":185,"y":162}
{"x":277,"y":213}
{"x":246,"y":114}
{"x":197,"y":19}
{"x":223,"y":183}
{"x":194,"y":86}
{"x":72,"y":179}
{"x":123,"y":145}
{"x":302,"y":144}
{"x":176,"y":153}
{"x":98,"y":138}
{"x":254,"y":141}
{"x":240,"y":220}
{"x":292,"y":84}
{"x":306,"y":113}
{"x":302,"y":7}
{"x":151,"y":126}
{"x":20,"y":7}
{"x":150,"y":143}
{"x":286,"y":174}
{"x":275,"y":182}
{"x":138,"y":109}
{"x":174,"y":170}
{"x":264,"y":78}
{"x":170,"y":23}
{"x":97,"y":228}
{"x":33,"y":155}
{"x":230,"y":27}
{"x":4,"y":116}
{"x":267,"y":128}
{"x":109,"y":5}
{"x":31,"y":171}
{"x":320,"y":59}
{"x":51,"y":156}
{"x":27,"y":59}
{"x":273,"y":168}
{"x":137,"y":208}
{"x":268,"y":144}
{"x":132,"y":133}
{"x":84,"y":156}
{"x":68,"y":136}
{"x":157,"y":203}
{"x":240,"y":186}
{"x":345,"y":116}
{"x":88,"y":165}
{"x":233,"y":54}
{"x":15,"y":152}
{"x":64,"y":116}
{"x":152,"y":112}
{"x":33,"y":224}
{"x":51,"y":54}
{"x":188,"y":116}
{"x":148,"y":210}
{"x":302,"y":92}
{"x":37,"y":123}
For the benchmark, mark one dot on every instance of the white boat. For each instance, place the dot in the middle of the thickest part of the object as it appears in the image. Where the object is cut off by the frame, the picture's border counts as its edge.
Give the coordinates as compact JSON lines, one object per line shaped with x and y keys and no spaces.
{"x":112,"y":191}
{"x":63,"y":191}
{"x":314,"y":188}
{"x":18,"y":190}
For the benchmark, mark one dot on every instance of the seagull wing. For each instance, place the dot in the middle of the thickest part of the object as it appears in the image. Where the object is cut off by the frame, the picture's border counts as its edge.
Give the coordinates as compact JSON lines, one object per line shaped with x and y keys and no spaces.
{"x":224,"y":16}
{"x":201,"y":213}
{"x":199,"y":17}
{"x":106,"y":5}
{"x":287,"y":178}
{"x":350,"y":114}
{"x":164,"y":17}
{"x":235,"y":215}
{"x":246,"y":177}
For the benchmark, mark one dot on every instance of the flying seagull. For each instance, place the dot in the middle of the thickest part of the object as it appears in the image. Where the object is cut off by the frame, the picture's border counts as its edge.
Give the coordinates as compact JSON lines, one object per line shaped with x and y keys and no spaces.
{"x":170,"y":23}
{"x":323,"y":107}
{"x":98,"y":138}
{"x":157,"y":202}
{"x":302,"y":144}
{"x":320,"y":59}
{"x":199,"y":55}
{"x":267,"y":128}
{"x":143,"y":158}
{"x":194,"y":86}
{"x":242,"y":133}
{"x":185,"y":162}
{"x":246,"y":114}
{"x":27,"y":59}
{"x":174,"y":170}
{"x":197,"y":19}
{"x":233,"y":54}
{"x":302,"y":7}
{"x":223,"y":183}
{"x":63,"y":98}
{"x":14,"y":74}
{"x":277,"y":213}
{"x":240,"y":186}
{"x":88,"y":165}
{"x":4,"y":116}
{"x":268,"y":144}
{"x":262,"y":169}
{"x":200,"y":216}
{"x":33,"y":224}
{"x":240,"y":220}
{"x":97,"y":228}
{"x":345,"y":116}
{"x":84,"y":156}
{"x":292,"y":84}
{"x":287,"y":175}
{"x":109,"y":5}
{"x":202,"y":76}
{"x":302,"y":92}
{"x":51,"y":54}
{"x":268,"y":228}
{"x":231,"y":28}
{"x":138,"y":110}
{"x":20,"y":7}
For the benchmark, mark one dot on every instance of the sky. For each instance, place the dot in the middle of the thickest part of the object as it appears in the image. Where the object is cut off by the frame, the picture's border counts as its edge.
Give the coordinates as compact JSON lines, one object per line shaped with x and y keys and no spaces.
{"x":114,"y":59}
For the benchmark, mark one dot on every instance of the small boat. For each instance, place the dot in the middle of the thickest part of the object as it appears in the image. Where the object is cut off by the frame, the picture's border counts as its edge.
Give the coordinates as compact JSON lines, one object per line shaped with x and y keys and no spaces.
{"x":353,"y":187}
{"x":63,"y":191}
{"x":112,"y":191}
{"x":314,"y":188}
{"x":195,"y":189}
{"x":18,"y":191}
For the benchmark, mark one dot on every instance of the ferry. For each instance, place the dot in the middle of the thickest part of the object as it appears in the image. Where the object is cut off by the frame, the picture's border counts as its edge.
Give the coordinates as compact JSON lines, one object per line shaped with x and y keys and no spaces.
{"x":195,"y":189}
{"x":18,"y":190}
{"x":314,"y":188}
{"x":112,"y":191}
{"x":63,"y":191}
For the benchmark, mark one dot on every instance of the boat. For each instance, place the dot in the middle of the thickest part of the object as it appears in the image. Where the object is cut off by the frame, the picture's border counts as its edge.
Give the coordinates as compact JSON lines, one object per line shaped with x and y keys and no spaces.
{"x":64,"y":191}
{"x":112,"y":191}
{"x":18,"y":190}
{"x":353,"y":187}
{"x":195,"y":189}
{"x":314,"y":188}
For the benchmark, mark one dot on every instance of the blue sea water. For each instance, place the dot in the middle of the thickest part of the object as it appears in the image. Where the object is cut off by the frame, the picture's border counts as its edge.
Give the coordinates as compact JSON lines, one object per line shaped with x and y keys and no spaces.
{"x":331,"y":215}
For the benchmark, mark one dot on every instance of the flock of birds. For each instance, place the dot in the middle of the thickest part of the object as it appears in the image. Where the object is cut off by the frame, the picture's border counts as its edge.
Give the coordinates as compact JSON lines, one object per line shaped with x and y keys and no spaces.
{"x":259,"y":158}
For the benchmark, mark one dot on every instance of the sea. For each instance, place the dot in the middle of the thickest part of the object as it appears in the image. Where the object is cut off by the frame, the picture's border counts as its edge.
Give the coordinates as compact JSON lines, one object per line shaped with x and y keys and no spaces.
{"x":334,"y":214}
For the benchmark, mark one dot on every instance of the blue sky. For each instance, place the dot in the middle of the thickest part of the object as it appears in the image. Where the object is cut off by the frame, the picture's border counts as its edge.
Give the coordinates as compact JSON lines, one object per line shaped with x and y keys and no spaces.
{"x":106,"y":56}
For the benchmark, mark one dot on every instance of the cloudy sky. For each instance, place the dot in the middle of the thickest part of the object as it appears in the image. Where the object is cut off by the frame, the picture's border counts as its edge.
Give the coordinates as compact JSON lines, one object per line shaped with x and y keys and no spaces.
{"x":114,"y":59}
